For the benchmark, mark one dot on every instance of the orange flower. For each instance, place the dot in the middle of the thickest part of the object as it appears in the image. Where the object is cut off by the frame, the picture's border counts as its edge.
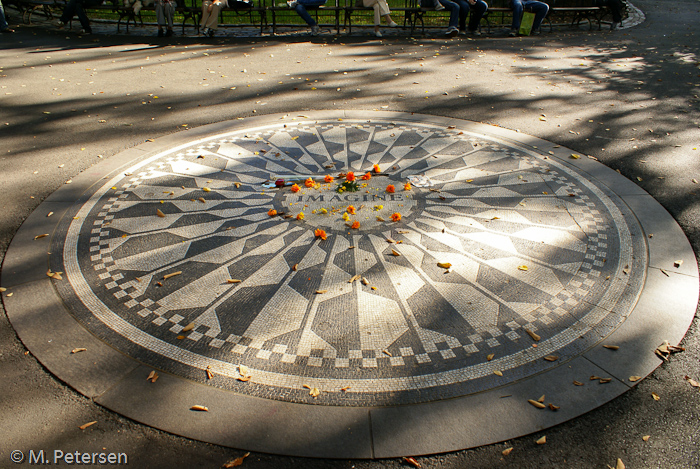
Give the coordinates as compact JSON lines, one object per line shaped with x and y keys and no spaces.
{"x":309,"y":183}
{"x":376,"y":168}
{"x":390,"y":189}
{"x":300,"y":216}
{"x":366,"y":177}
{"x":355,"y":225}
{"x":396,"y":217}
{"x":350,"y":210}
{"x":407,"y":186}
{"x":319,"y":233}
{"x":328,"y":178}
{"x":272,"y":212}
{"x":350,"y":176}
{"x":296,"y":188}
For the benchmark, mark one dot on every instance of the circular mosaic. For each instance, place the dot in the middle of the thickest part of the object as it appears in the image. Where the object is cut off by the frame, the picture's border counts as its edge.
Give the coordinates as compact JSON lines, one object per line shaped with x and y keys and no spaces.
{"x":397,"y":262}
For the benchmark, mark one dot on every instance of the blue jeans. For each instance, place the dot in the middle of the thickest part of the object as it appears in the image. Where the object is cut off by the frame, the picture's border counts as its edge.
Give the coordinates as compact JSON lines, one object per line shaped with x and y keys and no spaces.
{"x":75,"y":7}
{"x":454,"y":10}
{"x":479,"y":8}
{"x":3,"y":21}
{"x":301,"y":11}
{"x":540,"y":10}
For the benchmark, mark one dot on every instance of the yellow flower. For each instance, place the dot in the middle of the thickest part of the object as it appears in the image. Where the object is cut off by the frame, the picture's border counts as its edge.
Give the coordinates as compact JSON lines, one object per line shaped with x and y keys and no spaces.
{"x":300,"y":216}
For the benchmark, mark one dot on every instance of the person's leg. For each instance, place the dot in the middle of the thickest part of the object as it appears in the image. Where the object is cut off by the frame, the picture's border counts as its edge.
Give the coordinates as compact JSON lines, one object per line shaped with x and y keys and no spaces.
{"x":517,"y":7}
{"x":160,"y":16}
{"x":540,"y":10}
{"x":213,"y":22}
{"x":478,"y":10}
{"x":69,"y":11}
{"x":454,"y":15}
{"x":206,"y":11}
{"x":3,"y":21}
{"x":82,"y":17}
{"x":169,"y":12}
{"x":301,"y":11}
{"x":463,"y":13}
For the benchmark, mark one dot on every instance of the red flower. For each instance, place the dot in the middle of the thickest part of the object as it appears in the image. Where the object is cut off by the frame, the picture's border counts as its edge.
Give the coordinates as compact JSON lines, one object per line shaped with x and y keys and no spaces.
{"x":350,"y":176}
{"x":390,"y":189}
{"x":350,"y":210}
{"x":296,"y":188}
{"x":328,"y":178}
{"x":355,"y":225}
{"x":319,"y":233}
{"x":366,"y":177}
{"x":396,"y":217}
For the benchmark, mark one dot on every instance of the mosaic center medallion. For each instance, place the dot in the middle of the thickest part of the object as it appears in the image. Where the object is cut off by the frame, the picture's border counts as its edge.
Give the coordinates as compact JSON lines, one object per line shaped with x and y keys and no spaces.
{"x":400,"y":262}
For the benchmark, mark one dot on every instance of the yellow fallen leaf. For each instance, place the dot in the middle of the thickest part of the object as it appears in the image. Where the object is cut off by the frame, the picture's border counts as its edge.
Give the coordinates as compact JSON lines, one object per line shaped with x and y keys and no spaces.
{"x":537,"y":404}
{"x":49,"y":214}
{"x":534,"y":336}
{"x":243,"y":370}
{"x":553,"y":407}
{"x":210,"y":375}
{"x":655,"y":396}
{"x":320,"y":292}
{"x":490,"y":356}
{"x":199,"y":408}
{"x":166,"y":277}
{"x":365,"y":281}
{"x":444,"y":265}
{"x":345,"y":389}
{"x":522,"y":267}
{"x":646,"y":437}
{"x":542,"y":440}
{"x":233,"y":280}
{"x":578,"y":383}
{"x":201,"y":199}
{"x":497,"y":373}
{"x":10,"y":294}
{"x":295,"y":137}
{"x":152,"y":376}
{"x":551,"y":358}
{"x":206,"y":189}
{"x":79,"y":349}
{"x":411,"y":461}
{"x":41,"y":236}
{"x":541,"y":399}
{"x":507,"y":451}
{"x":160,"y":214}
{"x":604,"y":380}
{"x":314,"y":393}
{"x":612,"y":347}
{"x":89,"y":424}
{"x":574,"y":156}
{"x":620,"y":464}
{"x":236,"y":462}
{"x":634,"y":378}
{"x":395,"y":253}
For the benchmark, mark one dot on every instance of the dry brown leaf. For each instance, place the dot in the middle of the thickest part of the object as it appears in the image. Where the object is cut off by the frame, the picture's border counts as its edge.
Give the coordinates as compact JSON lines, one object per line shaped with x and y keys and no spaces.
{"x":345,"y":389}
{"x":534,"y":336}
{"x":314,"y":393}
{"x":79,"y":349}
{"x":537,"y":404}
{"x":634,"y":379}
{"x":578,"y":383}
{"x":354,"y":277}
{"x":497,"y":373}
{"x":411,"y":461}
{"x":507,"y":451}
{"x":541,"y":399}
{"x":677,"y":263}
{"x":380,"y":219}
{"x":210,"y":375}
{"x":41,"y":236}
{"x":237,"y":184}
{"x":49,"y":214}
{"x":295,"y":267}
{"x":553,"y":407}
{"x":236,"y":462}
{"x":594,"y":377}
{"x":89,"y":424}
{"x":444,"y":265}
{"x":620,"y":464}
{"x":188,"y":327}
{"x":490,"y":356}
{"x":389,"y":240}
{"x":174,"y":274}
{"x":152,"y":376}
{"x":542,"y":440}
{"x":160,"y":214}
{"x":365,"y":281}
{"x":321,"y":292}
{"x":646,"y":437}
{"x":395,"y":253}
{"x":201,"y":199}
{"x":387,"y":352}
{"x":199,"y":408}
{"x":243,"y":370}
{"x":551,"y":358}
{"x":655,"y":396}
{"x":233,"y":280}
{"x":692,"y":382}
{"x":611,"y":347}
{"x":604,"y":380}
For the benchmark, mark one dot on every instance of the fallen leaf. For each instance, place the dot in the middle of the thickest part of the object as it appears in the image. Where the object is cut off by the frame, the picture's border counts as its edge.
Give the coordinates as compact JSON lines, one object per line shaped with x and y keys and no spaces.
{"x":620,"y":464}
{"x":541,"y":399}
{"x":411,"y":461}
{"x":210,"y":375}
{"x":345,"y":389}
{"x":199,"y":408}
{"x":314,"y":393}
{"x":655,"y":396}
{"x":395,"y":253}
{"x":320,"y":292}
{"x":236,"y":462}
{"x":634,"y":379}
{"x":523,"y":268}
{"x":490,"y":356}
{"x":507,"y":451}
{"x":578,"y":383}
{"x":160,"y":214}
{"x":604,"y":380}
{"x":646,"y":437}
{"x":49,"y":214}
{"x":89,"y":424}
{"x":554,"y":407}
{"x":152,"y":376}
{"x":3,"y":289}
{"x":444,"y":265}
{"x":574,"y":156}
{"x":677,"y":263}
{"x":534,"y":336}
{"x":542,"y":440}
{"x":295,"y":267}
{"x":166,"y":277}
{"x":365,"y":281}
{"x":612,"y":347}
{"x":79,"y":349}
{"x":551,"y":358}
{"x":665,"y":350}
{"x":497,"y":373}
{"x":243,"y":370}
{"x":354,"y":277}
{"x":41,"y":236}
{"x":692,"y":382}
{"x":537,"y":404}
{"x":233,"y":280}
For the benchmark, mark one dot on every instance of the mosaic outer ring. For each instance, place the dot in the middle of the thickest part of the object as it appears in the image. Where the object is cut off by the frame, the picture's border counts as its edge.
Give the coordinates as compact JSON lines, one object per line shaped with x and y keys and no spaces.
{"x":592,"y":314}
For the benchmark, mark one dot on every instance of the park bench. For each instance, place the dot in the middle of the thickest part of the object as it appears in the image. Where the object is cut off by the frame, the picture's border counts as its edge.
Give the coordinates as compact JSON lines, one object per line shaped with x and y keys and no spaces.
{"x":408,"y":8}
{"x":332,"y":9}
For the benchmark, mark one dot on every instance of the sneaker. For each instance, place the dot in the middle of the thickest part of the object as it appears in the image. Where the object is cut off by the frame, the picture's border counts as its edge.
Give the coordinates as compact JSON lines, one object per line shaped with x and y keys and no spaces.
{"x":161,"y":33}
{"x":513,"y":33}
{"x":476,"y":32}
{"x":452,"y":32}
{"x":378,"y":34}
{"x":60,"y":24}
{"x":211,"y":32}
{"x":7,"y":31}
{"x":169,"y":33}
{"x":314,"y":29}
{"x":614,"y":25}
{"x":535,"y":32}
{"x":393,"y":24}
{"x":292,"y":3}
{"x":439,"y":7}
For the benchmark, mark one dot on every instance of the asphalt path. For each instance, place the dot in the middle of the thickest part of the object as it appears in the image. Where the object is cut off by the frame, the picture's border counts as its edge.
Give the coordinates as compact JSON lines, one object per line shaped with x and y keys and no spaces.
{"x":629,"y":98}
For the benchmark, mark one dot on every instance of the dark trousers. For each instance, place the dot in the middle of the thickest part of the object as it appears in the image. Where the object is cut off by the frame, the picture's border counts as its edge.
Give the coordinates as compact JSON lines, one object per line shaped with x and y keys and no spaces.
{"x":77,"y":7}
{"x":615,"y":6}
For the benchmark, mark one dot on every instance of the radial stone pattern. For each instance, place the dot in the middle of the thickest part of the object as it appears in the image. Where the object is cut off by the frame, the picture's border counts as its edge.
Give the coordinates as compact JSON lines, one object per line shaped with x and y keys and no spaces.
{"x":504,"y":263}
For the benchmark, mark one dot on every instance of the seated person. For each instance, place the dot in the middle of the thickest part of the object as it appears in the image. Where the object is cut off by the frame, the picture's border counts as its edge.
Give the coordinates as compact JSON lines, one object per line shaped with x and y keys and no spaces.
{"x":459,"y":9}
{"x":616,"y":9}
{"x":77,"y":7}
{"x":4,"y":27}
{"x":540,"y":9}
{"x":298,"y":6}
{"x":165,"y":11}
{"x":380,"y":9}
{"x":210,"y":15}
